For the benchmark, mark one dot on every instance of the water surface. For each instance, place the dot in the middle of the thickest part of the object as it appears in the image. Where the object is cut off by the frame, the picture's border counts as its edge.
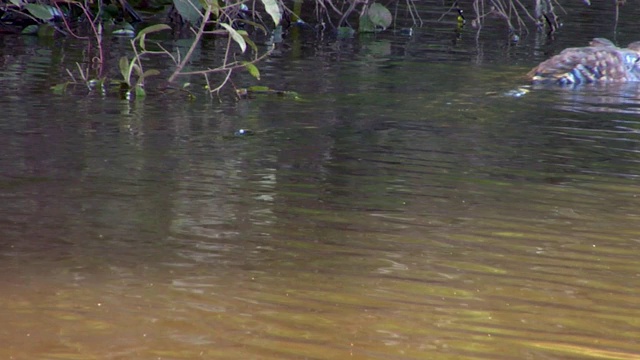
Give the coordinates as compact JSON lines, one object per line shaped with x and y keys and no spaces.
{"x":403,"y":208}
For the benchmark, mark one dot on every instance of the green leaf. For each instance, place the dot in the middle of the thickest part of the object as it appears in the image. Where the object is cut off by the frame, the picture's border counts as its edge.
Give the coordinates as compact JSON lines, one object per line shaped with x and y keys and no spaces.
{"x":151,"y":72}
{"x":273,"y":9}
{"x":125,"y":70}
{"x":253,"y":70}
{"x":153,"y":28}
{"x":259,"y":88}
{"x":137,"y":69}
{"x":46,"y":30}
{"x":235,"y":35}
{"x":140,"y":93}
{"x":256,"y":25}
{"x":190,"y":10}
{"x":214,"y":5}
{"x":60,"y":88}
{"x":17,"y":3}
{"x":100,"y":83}
{"x":148,"y":30}
{"x":124,"y":29}
{"x":42,"y":12}
{"x":248,"y":40}
{"x":251,"y":43}
{"x":380,"y":15}
{"x":30,"y":30}
{"x":345,"y":32}
{"x":365,"y":25}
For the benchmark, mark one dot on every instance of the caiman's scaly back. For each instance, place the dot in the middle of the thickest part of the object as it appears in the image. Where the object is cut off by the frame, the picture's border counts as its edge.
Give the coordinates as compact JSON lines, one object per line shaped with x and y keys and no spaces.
{"x":601,"y":61}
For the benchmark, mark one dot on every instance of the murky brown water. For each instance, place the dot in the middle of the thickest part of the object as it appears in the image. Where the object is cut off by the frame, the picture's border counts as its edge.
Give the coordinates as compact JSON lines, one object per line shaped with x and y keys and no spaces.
{"x":404,"y":208}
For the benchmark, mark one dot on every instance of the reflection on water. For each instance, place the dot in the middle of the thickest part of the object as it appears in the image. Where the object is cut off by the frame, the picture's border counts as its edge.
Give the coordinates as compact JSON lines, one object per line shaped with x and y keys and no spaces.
{"x":395,"y":213}
{"x":446,"y":229}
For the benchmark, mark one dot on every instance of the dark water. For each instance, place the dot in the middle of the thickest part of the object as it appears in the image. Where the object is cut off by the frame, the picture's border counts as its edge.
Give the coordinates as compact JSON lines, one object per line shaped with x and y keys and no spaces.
{"x":407,"y":206}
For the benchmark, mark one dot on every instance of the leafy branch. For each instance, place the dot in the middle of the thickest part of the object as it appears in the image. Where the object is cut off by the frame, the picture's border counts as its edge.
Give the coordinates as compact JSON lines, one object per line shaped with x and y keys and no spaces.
{"x":211,"y":16}
{"x":129,"y":67}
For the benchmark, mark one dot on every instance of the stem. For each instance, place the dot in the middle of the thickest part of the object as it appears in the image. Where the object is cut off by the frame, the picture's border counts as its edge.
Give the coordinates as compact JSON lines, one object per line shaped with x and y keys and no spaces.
{"x":196,"y":42}
{"x":231,"y":66}
{"x":224,"y":82}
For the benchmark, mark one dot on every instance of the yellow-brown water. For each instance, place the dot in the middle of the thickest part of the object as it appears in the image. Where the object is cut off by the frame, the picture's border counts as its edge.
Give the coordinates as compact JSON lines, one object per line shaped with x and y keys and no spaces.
{"x":422,"y":239}
{"x":397,"y":211}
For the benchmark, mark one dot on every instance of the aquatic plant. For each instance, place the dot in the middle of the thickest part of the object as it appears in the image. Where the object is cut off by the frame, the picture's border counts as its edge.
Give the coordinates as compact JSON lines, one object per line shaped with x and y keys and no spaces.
{"x":212,"y":18}
{"x":238,"y":21}
{"x":133,"y":66}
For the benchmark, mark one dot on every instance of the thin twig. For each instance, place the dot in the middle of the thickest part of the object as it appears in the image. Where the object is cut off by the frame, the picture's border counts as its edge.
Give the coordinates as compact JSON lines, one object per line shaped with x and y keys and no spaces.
{"x":413,"y":11}
{"x":194,"y":45}
{"x":224,"y":82}
{"x":453,"y":6}
{"x":66,"y":23}
{"x":230,"y":66}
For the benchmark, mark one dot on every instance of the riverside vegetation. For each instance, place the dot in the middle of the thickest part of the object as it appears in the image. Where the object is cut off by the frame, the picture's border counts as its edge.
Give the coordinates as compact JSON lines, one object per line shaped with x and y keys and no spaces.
{"x":238,"y":21}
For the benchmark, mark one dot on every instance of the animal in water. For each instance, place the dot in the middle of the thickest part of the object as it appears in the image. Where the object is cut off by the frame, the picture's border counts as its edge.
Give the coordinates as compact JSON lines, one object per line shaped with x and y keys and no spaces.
{"x":601,"y":61}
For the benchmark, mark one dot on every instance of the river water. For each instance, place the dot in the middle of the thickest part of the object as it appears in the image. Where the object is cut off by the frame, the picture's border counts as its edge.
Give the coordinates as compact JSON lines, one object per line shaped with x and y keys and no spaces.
{"x":417,"y":201}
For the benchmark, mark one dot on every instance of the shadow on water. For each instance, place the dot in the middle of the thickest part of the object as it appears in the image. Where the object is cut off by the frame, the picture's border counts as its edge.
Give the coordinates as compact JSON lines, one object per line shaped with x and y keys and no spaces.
{"x":402,"y":209}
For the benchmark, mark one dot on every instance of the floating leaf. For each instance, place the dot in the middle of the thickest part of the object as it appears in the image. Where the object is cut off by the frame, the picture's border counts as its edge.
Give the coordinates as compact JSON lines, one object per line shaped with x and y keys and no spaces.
{"x":190,"y":10}
{"x":264,"y":90}
{"x":60,"y":88}
{"x":253,"y":70}
{"x":259,"y":88}
{"x":272,"y":8}
{"x":380,"y":15}
{"x":236,"y":36}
